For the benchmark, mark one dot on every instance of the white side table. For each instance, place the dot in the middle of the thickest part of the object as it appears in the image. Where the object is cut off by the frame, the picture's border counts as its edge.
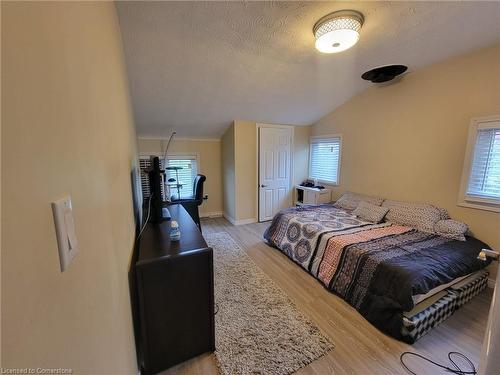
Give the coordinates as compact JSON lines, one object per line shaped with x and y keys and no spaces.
{"x":312,"y":195}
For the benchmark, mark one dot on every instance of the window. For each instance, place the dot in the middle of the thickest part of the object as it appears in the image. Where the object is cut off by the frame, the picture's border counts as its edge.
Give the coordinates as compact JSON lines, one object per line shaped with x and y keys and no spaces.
{"x":480,"y":187}
{"x":324,"y":159}
{"x":187,"y":174}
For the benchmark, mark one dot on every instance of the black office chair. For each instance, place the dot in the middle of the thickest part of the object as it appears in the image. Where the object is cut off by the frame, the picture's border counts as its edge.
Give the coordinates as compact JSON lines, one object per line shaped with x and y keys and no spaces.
{"x":196,"y":199}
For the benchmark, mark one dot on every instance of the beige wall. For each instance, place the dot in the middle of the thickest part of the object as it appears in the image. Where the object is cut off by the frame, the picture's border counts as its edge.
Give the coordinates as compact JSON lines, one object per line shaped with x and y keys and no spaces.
{"x":245,"y":145}
{"x":228,"y":173}
{"x":240,"y":143}
{"x":66,"y":129}
{"x":209,"y":154}
{"x":407,"y":141}
{"x":301,"y":136}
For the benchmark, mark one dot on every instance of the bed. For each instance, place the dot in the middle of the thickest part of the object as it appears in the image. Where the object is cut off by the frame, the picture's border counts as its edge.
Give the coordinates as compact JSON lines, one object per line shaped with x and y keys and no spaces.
{"x":399,"y":278}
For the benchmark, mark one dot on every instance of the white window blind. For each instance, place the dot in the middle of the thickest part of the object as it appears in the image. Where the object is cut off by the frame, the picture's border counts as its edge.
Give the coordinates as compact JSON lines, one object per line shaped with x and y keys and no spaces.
{"x":324,"y":159}
{"x":187,"y":174}
{"x":484,"y":178}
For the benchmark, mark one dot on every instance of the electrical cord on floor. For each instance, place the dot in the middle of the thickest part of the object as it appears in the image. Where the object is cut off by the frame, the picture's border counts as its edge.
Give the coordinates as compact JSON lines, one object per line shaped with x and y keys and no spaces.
{"x":216,"y":309}
{"x":456,"y":370}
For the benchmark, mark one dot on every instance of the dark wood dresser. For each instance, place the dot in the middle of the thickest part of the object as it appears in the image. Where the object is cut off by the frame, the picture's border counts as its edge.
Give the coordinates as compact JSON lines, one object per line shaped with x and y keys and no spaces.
{"x":175,"y":294}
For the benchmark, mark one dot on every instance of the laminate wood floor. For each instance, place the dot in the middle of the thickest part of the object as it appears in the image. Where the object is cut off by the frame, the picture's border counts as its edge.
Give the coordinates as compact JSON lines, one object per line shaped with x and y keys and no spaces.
{"x":359,"y":347}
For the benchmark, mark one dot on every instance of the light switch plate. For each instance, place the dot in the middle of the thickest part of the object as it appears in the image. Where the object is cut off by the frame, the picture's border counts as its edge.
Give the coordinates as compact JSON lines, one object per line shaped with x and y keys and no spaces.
{"x":65,"y":231}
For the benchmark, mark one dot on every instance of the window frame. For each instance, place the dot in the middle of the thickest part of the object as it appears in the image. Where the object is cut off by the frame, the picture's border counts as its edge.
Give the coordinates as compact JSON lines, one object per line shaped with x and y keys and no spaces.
{"x":464,"y":199}
{"x":325,"y":137}
{"x":174,"y":155}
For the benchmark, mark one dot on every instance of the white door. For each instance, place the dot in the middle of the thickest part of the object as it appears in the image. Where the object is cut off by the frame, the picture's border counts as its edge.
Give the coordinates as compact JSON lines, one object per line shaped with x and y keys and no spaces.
{"x":274,"y":170}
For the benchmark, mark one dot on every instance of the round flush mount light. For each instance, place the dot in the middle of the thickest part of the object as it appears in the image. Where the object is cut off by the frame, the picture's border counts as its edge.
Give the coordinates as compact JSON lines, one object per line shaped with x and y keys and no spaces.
{"x":338,"y":31}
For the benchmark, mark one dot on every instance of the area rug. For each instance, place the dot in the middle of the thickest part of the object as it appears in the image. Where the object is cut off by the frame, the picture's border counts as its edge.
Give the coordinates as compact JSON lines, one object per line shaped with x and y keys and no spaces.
{"x":258,"y":329}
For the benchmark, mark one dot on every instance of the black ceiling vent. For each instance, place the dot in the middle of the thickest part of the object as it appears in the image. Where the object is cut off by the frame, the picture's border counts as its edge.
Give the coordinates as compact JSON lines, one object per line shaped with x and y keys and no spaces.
{"x":384,"y":73}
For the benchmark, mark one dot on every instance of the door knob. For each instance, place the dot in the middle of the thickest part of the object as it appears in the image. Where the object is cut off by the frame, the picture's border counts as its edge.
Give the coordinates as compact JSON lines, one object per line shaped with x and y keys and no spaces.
{"x":263,"y":185}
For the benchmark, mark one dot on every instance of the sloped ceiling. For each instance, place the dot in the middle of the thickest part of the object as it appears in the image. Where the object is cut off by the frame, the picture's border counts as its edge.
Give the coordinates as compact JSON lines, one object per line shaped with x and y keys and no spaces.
{"x":195,"y":66}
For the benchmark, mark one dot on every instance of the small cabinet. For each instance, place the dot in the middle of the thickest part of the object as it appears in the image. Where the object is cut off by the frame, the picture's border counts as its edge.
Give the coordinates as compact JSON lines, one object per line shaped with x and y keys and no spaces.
{"x":310,"y":195}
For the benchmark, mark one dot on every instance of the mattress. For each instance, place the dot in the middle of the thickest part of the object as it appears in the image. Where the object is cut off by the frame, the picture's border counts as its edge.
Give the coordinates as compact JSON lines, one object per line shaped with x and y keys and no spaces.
{"x":470,"y":286}
{"x":421,"y":297}
{"x":423,"y":320}
{"x":435,"y":309}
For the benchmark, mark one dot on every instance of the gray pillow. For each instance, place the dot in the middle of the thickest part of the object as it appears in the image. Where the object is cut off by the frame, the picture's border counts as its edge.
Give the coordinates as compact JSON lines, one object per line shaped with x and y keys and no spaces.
{"x":369,"y":212}
{"x":420,"y":216}
{"x":451,"y":229}
{"x":349,"y":201}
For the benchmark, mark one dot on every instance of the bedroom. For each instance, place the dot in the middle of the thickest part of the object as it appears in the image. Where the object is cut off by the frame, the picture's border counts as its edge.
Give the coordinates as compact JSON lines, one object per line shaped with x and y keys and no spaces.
{"x":92,"y":90}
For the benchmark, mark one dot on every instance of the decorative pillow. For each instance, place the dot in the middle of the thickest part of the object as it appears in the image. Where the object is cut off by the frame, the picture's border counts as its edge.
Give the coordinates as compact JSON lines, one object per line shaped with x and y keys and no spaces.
{"x":370,"y":212}
{"x":420,"y":216}
{"x":349,"y":201}
{"x":443,"y":213}
{"x":451,"y":229}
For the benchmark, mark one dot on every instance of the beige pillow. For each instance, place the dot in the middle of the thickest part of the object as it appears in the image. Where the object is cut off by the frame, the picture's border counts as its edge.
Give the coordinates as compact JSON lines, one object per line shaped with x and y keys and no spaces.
{"x":369,"y":212}
{"x":443,"y":213}
{"x":451,"y":229}
{"x":420,"y":216}
{"x":349,"y":201}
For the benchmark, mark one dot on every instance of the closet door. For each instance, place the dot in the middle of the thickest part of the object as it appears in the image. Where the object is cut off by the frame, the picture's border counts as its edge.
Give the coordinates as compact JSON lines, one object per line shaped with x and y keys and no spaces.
{"x":274,"y":170}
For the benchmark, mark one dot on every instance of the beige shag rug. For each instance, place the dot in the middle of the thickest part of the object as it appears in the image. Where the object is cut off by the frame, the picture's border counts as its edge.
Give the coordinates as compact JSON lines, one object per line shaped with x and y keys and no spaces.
{"x":258,"y":329}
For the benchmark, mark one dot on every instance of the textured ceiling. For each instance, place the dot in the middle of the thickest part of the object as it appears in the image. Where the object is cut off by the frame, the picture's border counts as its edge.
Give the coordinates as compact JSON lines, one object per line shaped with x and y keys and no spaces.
{"x":196,"y":66}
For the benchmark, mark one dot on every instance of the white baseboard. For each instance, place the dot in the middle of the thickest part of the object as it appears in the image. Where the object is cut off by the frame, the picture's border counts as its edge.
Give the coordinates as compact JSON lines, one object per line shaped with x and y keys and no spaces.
{"x":211,"y":214}
{"x":233,"y":221}
{"x":491,"y":283}
{"x":229,"y":218}
{"x":246,"y":221}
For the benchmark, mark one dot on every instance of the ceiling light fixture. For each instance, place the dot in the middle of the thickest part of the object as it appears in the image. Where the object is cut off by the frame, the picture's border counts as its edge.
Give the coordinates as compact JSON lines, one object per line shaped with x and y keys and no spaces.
{"x":338,"y":31}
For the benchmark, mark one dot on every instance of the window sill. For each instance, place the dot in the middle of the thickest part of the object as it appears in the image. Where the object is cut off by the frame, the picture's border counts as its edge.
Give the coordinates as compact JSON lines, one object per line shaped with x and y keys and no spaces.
{"x":495,"y":207}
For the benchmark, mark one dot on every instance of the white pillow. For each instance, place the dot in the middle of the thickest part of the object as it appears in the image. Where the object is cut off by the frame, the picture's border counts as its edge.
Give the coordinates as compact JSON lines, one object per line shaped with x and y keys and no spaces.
{"x":349,"y":201}
{"x":420,"y":216}
{"x":451,"y":229}
{"x":370,"y":212}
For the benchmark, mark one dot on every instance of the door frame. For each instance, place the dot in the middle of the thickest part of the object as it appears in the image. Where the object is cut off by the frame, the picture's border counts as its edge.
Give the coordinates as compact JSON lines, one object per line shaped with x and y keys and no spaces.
{"x":260,"y":125}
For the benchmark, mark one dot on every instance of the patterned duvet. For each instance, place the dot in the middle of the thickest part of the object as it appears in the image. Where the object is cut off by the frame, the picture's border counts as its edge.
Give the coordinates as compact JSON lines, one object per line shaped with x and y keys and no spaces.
{"x":376,"y":268}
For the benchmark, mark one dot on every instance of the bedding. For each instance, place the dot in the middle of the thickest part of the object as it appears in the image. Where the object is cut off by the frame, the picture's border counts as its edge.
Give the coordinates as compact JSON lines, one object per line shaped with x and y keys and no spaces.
{"x":377,"y":268}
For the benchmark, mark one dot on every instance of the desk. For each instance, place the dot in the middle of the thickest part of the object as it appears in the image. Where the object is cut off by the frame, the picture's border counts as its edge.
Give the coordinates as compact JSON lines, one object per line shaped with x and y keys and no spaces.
{"x":175,"y":290}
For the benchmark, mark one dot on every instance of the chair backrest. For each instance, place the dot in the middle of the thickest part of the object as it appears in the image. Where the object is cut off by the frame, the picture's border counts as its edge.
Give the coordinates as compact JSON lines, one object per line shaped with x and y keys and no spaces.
{"x":198,"y":188}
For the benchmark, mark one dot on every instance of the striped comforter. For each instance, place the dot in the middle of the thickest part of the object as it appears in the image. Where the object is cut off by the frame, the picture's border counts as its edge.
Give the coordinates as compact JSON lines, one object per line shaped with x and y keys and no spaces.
{"x":376,"y":268}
